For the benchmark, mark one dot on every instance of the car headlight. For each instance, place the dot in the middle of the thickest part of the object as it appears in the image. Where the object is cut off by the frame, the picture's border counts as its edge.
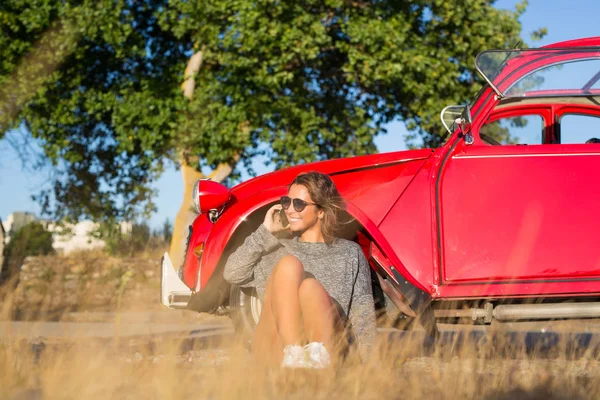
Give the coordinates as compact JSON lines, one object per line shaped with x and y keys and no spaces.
{"x":209,"y":195}
{"x":196,"y":197}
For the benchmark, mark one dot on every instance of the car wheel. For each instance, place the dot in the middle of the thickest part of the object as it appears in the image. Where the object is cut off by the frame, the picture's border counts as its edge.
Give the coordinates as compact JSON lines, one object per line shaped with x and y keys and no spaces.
{"x":245,"y":307}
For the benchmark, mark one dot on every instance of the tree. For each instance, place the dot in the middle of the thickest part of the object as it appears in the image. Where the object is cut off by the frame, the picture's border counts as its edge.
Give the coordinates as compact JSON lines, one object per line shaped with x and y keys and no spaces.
{"x":122,"y":242}
{"x":167,"y":231}
{"x":296,"y":81}
{"x":103,"y":102}
{"x":31,"y":240}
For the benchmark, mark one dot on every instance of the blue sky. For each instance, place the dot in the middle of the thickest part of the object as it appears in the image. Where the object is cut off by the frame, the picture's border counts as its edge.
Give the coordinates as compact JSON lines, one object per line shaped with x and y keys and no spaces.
{"x":564,"y":19}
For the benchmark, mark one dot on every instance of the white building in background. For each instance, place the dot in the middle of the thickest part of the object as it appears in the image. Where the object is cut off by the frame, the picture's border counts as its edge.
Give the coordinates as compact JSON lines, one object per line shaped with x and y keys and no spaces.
{"x":77,"y":237}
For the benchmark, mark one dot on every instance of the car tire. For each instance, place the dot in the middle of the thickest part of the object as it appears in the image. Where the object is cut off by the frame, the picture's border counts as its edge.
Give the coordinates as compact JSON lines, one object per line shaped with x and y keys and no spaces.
{"x":244,"y":309}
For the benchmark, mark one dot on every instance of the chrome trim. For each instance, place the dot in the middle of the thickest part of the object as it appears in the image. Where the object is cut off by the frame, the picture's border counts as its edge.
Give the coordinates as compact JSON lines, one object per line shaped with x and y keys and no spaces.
{"x":213,"y":215}
{"x":456,"y":120}
{"x":255,"y":308}
{"x":500,"y":94}
{"x":195,"y":192}
{"x":195,"y":198}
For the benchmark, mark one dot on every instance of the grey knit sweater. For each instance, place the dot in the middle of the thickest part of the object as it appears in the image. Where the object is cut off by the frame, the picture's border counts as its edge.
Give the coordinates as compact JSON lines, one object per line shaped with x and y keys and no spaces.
{"x":340,"y":267}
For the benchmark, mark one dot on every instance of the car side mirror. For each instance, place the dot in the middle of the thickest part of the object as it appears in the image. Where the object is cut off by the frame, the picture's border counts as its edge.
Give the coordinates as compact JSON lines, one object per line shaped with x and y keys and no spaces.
{"x":457,"y":117}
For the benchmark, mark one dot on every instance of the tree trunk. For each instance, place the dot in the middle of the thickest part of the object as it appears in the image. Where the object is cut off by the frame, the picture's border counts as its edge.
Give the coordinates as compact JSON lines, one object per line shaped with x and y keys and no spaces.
{"x":190,"y":173}
{"x":2,"y":238}
{"x":185,"y":215}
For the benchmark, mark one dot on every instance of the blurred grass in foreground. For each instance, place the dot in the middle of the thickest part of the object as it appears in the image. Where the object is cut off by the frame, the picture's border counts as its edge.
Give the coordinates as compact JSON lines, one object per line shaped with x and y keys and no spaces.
{"x":92,"y":371}
{"x":163,"y":368}
{"x":166,"y":367}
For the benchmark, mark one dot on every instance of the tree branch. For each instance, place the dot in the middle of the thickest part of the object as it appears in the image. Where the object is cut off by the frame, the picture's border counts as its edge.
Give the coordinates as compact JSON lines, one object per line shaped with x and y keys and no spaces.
{"x":191,"y":70}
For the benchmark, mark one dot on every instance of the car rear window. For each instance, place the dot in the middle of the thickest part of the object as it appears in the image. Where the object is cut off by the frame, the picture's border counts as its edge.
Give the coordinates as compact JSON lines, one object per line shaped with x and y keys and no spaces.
{"x":579,"y":128}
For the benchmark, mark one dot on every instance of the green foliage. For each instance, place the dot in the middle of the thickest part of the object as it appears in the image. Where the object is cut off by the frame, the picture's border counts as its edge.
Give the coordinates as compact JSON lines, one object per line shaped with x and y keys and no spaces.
{"x":539,"y":34}
{"x":125,"y":243}
{"x":316,"y":79}
{"x":31,"y":240}
{"x":296,"y":81}
{"x":105,"y":111}
{"x":122,"y":242}
{"x":167,"y":231}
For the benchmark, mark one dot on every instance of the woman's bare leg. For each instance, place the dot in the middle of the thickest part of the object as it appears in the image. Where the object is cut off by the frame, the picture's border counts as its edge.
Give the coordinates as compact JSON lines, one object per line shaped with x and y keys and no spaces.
{"x":280,"y":322}
{"x":319,"y":314}
{"x":267,"y":348}
{"x":294,"y":310}
{"x":285,"y":280}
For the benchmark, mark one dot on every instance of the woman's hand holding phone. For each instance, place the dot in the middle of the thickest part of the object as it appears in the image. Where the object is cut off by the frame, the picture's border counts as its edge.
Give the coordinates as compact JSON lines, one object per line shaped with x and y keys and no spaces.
{"x":274,"y":221}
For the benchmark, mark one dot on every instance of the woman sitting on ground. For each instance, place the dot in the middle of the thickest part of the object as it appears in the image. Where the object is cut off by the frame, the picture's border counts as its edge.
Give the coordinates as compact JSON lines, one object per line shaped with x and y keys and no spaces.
{"x":315,"y":288}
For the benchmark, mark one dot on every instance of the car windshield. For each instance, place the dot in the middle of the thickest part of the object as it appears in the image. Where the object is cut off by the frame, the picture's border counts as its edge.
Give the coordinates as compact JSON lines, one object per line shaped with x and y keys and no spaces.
{"x":542,"y":72}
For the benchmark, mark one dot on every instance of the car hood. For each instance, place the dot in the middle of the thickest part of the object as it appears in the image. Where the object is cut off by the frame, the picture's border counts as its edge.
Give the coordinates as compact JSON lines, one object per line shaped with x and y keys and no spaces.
{"x":284,"y":177}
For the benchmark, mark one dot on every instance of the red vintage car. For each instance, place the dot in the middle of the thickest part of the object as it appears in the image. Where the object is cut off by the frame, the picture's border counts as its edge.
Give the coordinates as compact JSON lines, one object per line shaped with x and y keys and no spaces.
{"x":502,"y":222}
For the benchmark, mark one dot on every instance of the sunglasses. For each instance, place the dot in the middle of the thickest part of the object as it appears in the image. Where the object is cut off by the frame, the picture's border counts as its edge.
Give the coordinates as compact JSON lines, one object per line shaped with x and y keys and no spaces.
{"x":299,"y":204}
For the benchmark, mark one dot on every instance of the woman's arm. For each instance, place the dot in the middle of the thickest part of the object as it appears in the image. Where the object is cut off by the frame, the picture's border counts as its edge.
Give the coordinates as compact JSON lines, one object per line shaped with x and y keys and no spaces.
{"x":240,"y":264}
{"x":362,"y":308}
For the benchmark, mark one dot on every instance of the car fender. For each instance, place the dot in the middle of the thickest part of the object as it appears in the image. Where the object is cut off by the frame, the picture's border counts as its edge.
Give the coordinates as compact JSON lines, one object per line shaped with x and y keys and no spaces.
{"x":359,"y":205}
{"x":227,"y":225}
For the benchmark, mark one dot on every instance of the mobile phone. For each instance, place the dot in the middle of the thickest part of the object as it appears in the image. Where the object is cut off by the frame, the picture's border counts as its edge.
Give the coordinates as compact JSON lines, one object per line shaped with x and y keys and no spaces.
{"x":283,"y":217}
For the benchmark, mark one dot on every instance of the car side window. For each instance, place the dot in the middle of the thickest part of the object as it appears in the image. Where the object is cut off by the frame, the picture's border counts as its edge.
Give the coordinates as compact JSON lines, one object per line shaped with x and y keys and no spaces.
{"x":523,"y":129}
{"x":579,"y":128}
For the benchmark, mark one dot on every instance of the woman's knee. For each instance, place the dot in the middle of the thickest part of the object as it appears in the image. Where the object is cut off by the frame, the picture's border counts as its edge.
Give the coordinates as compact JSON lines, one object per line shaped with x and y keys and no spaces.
{"x":287,"y":267}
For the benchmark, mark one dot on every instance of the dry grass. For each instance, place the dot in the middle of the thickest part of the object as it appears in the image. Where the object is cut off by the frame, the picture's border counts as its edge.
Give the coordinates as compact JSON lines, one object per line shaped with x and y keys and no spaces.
{"x":401,"y":368}
{"x":488,"y":367}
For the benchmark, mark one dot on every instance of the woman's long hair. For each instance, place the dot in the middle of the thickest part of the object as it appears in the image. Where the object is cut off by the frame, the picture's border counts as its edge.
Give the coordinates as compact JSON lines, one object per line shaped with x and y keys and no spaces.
{"x":323,"y":192}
